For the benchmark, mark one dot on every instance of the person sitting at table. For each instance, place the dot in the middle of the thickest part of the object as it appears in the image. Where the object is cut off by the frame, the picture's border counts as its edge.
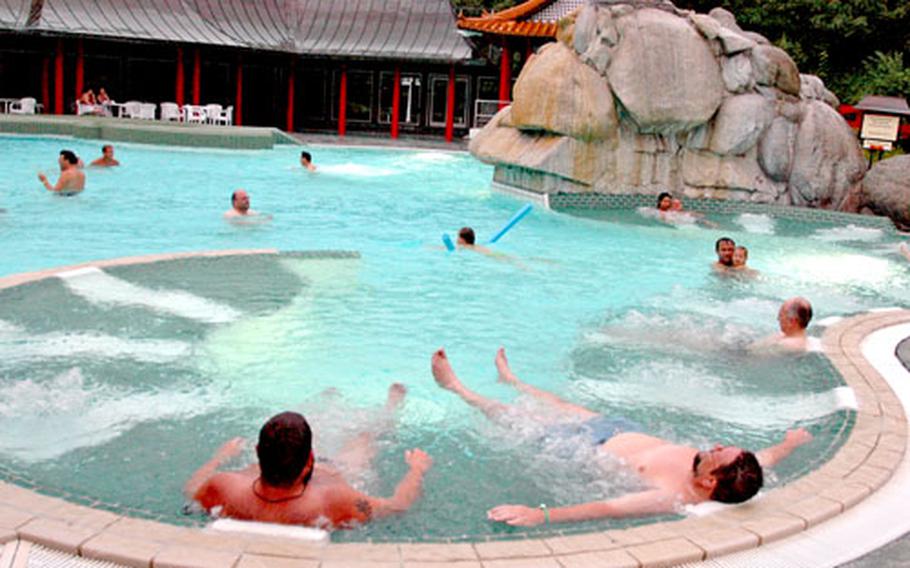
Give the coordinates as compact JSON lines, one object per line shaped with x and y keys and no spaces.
{"x":102,"y":97}
{"x":88,"y":98}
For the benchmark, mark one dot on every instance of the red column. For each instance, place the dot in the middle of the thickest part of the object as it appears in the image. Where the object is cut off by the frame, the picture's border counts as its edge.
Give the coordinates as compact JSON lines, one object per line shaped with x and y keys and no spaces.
{"x":238,"y":97}
{"x":46,"y":83}
{"x":58,"y":78}
{"x":529,"y":51}
{"x":505,"y":75}
{"x":343,"y":103}
{"x":450,"y":106}
{"x":197,"y":73}
{"x":291,"y":81}
{"x":396,"y":102}
{"x":178,"y":83}
{"x":80,"y":68}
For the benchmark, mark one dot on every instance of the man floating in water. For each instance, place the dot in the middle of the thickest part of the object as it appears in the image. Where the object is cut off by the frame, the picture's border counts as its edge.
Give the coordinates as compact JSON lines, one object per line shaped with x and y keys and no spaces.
{"x":71,"y":180}
{"x":793,"y":318}
{"x":288,"y":486}
{"x":467,"y":240}
{"x":306,"y":160}
{"x":107,"y":158}
{"x":724,"y":247}
{"x":678,"y":475}
{"x":240,"y":209}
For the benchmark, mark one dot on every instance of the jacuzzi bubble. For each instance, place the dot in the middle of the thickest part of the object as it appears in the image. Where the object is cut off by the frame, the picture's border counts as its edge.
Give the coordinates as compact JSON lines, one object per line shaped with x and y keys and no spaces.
{"x":849,"y":233}
{"x":756,"y":223}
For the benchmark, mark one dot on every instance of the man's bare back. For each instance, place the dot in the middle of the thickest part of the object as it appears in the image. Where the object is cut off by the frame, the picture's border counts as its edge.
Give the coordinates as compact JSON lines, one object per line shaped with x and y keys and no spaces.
{"x":70,"y":181}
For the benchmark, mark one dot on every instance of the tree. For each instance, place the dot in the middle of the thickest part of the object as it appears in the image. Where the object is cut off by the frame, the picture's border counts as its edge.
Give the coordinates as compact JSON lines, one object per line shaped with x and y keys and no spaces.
{"x":477,"y":7}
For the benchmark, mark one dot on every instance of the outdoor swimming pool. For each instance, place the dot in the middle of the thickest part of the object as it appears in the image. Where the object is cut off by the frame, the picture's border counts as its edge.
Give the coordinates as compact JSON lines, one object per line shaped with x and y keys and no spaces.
{"x":621,"y":313}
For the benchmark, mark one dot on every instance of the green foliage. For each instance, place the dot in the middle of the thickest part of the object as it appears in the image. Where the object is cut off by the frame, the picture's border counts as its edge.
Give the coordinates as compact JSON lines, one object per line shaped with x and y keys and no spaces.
{"x":476,"y":7}
{"x":857,"y":47}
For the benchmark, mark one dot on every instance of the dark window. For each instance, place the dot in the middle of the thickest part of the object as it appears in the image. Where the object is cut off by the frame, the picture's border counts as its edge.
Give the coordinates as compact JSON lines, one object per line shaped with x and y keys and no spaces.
{"x":409,"y":100}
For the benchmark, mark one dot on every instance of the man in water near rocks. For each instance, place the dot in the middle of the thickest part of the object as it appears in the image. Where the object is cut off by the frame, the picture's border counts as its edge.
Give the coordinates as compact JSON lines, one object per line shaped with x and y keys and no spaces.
{"x":71,"y":180}
{"x":678,"y":475}
{"x":107,"y":158}
{"x":793,"y":318}
{"x":288,"y":486}
{"x":724,"y":247}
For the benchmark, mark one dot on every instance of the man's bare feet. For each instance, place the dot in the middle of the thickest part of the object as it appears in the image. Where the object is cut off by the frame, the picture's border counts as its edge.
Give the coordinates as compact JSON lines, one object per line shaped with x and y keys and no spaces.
{"x":442,"y":371}
{"x":397,"y":391}
{"x":502,"y":365}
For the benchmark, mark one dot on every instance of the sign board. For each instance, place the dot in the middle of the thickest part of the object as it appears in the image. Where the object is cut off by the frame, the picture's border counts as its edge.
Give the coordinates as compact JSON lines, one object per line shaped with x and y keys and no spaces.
{"x":880,"y":127}
{"x":880,"y":145}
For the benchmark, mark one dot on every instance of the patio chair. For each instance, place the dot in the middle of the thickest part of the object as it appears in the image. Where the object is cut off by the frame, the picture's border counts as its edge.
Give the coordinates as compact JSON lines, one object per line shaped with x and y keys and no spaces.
{"x":170,"y":112}
{"x":24,"y":106}
{"x":130,"y":109}
{"x":226,"y":116}
{"x":147,"y":111}
{"x":82,"y":108}
{"x":194,"y":114}
{"x":212,"y":113}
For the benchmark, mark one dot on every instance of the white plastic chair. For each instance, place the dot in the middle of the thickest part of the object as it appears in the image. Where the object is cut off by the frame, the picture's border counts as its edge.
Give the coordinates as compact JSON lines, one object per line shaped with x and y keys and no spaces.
{"x":170,"y":112}
{"x":212,"y":113}
{"x":24,"y":106}
{"x":226,"y":116}
{"x":194,"y":114}
{"x":130,"y":109}
{"x":82,"y":108}
{"x":147,"y":111}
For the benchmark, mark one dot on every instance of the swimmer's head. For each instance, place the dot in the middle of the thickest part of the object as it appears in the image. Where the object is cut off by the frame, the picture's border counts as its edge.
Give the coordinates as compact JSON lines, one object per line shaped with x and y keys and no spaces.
{"x":285,"y":450}
{"x":740,"y":256}
{"x":724,"y":247}
{"x":108,"y":151}
{"x":466,"y":236}
{"x":306,"y":158}
{"x":240,"y":201}
{"x":676,"y":204}
{"x":68,"y":157}
{"x":794,"y":315}
{"x":731,"y":474}
{"x":664,"y":201}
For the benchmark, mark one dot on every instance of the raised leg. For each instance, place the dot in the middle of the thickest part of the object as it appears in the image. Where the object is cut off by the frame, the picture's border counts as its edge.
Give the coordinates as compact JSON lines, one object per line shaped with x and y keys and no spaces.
{"x":446,"y":378}
{"x":358,"y":454}
{"x":507,"y":376}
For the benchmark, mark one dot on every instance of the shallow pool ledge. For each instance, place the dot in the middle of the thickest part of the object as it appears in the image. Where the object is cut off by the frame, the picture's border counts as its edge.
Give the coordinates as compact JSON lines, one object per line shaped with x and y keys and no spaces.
{"x":871,"y":454}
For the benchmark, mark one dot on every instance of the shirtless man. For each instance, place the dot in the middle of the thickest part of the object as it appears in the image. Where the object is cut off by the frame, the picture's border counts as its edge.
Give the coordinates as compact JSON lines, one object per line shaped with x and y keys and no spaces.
{"x":107,"y":158}
{"x":288,"y":486}
{"x":467,"y":240}
{"x":724,"y":247}
{"x":240,"y":211}
{"x":71,"y":180}
{"x":306,"y":160}
{"x":793,"y":318}
{"x":678,"y":475}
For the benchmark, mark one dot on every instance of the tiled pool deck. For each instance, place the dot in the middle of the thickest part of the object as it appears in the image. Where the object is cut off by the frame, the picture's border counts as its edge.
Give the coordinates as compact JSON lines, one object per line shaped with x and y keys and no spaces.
{"x":867,"y":460}
{"x":145,"y":131}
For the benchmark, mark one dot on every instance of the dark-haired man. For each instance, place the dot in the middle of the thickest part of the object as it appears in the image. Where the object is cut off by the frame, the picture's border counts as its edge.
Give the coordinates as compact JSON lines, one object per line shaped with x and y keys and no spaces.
{"x":467,"y":240}
{"x":71,"y":180}
{"x":724,"y":247}
{"x":678,"y":475}
{"x":288,"y":485}
{"x":107,"y":158}
{"x":306,"y":160}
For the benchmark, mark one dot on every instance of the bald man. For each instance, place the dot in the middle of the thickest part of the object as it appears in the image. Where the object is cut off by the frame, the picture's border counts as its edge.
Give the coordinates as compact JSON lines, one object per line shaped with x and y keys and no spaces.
{"x":793,"y":318}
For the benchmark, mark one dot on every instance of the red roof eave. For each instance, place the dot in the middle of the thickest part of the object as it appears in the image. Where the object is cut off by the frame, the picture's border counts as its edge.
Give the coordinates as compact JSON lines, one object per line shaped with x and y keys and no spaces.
{"x":509,"y":27}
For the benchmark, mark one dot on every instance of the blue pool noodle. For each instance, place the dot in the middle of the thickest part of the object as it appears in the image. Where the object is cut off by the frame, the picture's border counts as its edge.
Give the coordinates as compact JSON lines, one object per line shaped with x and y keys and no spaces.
{"x":447,"y":241}
{"x":512,"y":222}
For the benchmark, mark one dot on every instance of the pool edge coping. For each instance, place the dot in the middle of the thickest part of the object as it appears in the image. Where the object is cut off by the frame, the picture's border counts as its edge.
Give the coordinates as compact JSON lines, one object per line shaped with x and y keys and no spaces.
{"x":866,"y":461}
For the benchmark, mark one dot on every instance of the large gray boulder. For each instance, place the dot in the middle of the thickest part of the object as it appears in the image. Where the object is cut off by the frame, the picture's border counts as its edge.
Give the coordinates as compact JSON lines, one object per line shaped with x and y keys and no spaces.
{"x":664,"y":73}
{"x":886,"y":189}
{"x":558,"y":93}
{"x":638,"y":97}
{"x":828,"y":163}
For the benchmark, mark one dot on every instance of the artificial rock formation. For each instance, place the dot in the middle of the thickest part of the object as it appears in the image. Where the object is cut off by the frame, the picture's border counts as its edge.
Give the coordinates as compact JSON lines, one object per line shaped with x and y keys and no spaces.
{"x":886,"y":190}
{"x":637,"y":96}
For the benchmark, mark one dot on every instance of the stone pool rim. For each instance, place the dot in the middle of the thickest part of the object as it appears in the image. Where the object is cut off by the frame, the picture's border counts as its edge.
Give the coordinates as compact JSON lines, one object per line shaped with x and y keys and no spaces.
{"x":865,"y":462}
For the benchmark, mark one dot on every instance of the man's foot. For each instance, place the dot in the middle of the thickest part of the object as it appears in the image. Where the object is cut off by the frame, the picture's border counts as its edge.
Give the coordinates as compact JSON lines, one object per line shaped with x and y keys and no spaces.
{"x":442,"y":371}
{"x":502,"y":365}
{"x":397,"y":391}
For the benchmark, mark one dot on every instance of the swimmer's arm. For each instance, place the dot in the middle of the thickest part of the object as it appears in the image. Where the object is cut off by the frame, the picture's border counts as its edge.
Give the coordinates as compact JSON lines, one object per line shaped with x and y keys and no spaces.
{"x":47,"y":184}
{"x":644,"y":503}
{"x":193,"y":487}
{"x":406,"y":493}
{"x":769,"y":457}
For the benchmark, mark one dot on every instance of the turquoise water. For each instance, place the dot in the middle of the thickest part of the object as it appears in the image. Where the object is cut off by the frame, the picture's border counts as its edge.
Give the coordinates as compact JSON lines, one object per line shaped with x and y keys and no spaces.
{"x":118,"y":401}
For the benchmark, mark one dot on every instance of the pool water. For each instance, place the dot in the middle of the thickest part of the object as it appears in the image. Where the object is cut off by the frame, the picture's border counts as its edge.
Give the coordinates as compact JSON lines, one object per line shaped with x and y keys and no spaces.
{"x":116,"y":385}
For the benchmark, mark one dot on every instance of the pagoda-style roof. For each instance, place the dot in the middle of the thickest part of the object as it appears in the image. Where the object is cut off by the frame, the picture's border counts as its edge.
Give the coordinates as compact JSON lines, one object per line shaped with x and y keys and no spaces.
{"x":888,"y":105}
{"x":533,"y":18}
{"x":369,"y":29}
